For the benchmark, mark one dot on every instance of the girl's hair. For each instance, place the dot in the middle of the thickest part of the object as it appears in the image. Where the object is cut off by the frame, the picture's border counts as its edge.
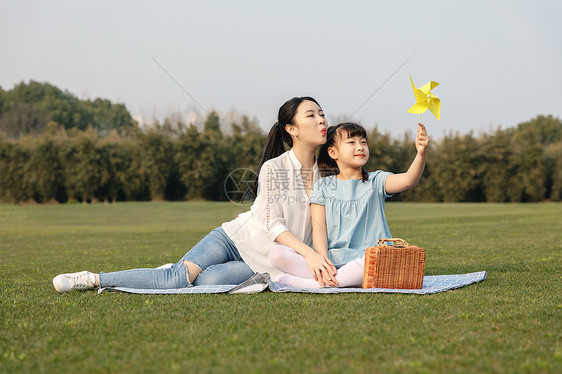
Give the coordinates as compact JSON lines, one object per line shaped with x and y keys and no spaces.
{"x":328,"y":165}
{"x":278,"y":135}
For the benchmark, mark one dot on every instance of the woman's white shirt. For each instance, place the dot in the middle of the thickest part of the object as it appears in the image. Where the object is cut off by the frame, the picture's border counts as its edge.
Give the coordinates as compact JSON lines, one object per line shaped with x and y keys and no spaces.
{"x":281,"y":205}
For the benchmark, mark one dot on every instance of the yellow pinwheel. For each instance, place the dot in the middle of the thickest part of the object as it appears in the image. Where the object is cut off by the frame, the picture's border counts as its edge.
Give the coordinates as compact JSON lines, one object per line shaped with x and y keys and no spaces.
{"x":425,"y":99}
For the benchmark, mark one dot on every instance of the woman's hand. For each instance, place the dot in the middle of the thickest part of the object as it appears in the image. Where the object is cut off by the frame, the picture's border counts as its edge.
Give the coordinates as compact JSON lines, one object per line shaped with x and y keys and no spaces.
{"x":422,"y":140}
{"x":322,"y":269}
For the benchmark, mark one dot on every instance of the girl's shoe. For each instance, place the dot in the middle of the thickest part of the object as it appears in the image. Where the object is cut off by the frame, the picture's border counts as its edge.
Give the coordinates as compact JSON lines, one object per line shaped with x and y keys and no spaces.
{"x":83,"y":280}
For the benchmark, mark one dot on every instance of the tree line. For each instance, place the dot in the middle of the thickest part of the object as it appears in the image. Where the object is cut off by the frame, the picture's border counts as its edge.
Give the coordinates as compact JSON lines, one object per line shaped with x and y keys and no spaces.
{"x":166,"y":162}
{"x":180,"y":162}
{"x":54,"y":147}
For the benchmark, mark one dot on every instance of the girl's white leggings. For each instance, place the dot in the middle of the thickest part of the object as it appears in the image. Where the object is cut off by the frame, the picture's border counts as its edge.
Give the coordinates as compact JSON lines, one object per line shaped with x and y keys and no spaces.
{"x":297,"y":273}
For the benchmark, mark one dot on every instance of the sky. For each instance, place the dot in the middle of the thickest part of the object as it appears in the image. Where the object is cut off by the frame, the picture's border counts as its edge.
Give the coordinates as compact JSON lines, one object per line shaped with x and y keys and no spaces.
{"x":498,"y":63}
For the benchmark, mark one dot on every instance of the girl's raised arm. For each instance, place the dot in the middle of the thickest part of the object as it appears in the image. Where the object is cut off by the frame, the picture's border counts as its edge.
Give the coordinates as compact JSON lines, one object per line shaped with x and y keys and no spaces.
{"x":404,"y":181}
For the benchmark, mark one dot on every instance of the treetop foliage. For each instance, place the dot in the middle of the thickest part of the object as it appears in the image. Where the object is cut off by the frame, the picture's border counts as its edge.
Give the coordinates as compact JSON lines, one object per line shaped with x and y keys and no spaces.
{"x":29,"y":107}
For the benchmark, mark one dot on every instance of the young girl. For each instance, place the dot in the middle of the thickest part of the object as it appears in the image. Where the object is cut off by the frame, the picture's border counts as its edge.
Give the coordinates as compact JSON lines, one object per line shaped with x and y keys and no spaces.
{"x":347,"y":208}
{"x":232,"y":253}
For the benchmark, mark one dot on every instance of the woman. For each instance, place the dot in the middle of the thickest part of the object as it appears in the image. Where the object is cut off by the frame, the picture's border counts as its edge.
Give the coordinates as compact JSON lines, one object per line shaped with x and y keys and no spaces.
{"x":280,"y":214}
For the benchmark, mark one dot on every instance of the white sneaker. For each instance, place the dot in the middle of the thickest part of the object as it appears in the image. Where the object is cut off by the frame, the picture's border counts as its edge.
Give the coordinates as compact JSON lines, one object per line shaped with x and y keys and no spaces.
{"x":83,"y":280}
{"x":165,"y":266}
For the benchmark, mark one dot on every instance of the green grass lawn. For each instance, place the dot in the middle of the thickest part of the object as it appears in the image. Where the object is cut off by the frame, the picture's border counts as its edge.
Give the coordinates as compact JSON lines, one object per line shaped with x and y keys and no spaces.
{"x":508,"y":323}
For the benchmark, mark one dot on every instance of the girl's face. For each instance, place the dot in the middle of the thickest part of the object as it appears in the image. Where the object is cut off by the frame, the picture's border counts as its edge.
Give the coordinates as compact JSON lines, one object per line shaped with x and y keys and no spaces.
{"x":350,"y":152}
{"x":309,"y":124}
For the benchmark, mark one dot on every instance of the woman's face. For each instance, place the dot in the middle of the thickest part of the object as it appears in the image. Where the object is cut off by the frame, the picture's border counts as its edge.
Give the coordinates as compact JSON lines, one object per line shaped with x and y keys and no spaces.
{"x":309,"y":124}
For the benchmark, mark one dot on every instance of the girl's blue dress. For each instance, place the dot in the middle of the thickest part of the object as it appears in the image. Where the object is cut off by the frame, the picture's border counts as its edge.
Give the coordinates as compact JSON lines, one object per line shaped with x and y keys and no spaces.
{"x":355,"y":217}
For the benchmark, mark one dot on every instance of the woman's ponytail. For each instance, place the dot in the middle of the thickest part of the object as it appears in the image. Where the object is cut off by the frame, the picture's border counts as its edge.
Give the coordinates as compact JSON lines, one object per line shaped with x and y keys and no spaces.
{"x":274,"y":144}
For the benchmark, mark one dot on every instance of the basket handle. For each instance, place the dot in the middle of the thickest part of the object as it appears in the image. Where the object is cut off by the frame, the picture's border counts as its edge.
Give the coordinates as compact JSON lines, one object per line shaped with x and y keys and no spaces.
{"x":397,"y":241}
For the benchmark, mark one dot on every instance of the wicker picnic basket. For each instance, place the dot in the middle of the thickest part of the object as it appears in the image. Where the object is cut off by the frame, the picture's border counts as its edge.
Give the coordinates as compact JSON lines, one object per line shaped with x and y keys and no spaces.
{"x":394,"y":266}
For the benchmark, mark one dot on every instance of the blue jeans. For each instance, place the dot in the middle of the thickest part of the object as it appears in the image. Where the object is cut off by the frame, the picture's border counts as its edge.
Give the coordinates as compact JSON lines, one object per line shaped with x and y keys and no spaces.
{"x":215,"y":254}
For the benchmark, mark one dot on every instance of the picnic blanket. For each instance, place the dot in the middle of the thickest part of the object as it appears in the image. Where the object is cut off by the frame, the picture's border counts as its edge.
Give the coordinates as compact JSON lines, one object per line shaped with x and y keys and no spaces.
{"x":262,"y":282}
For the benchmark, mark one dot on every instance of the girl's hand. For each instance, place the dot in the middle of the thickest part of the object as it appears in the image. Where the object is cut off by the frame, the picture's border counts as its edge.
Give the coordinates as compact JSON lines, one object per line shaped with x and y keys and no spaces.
{"x":322,"y":269}
{"x":422,"y":140}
